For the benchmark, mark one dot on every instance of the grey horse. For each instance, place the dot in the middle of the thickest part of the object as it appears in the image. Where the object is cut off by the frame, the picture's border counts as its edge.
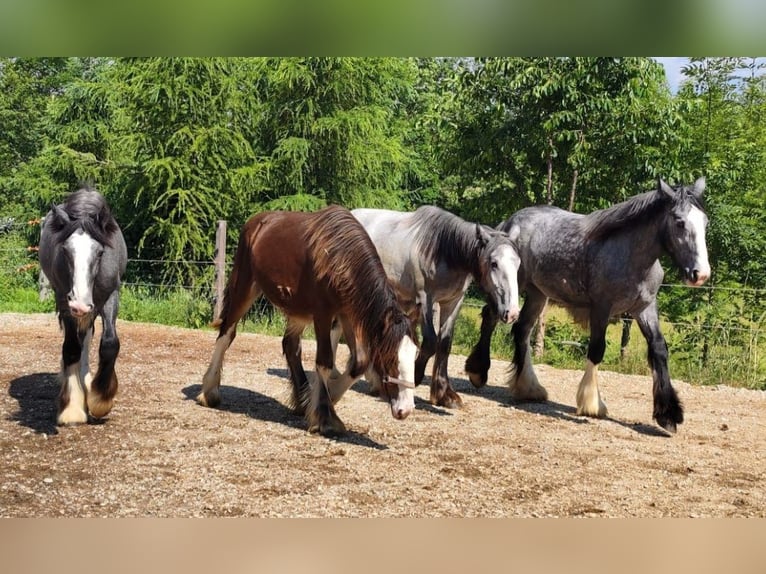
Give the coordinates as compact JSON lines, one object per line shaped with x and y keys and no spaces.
{"x":83,"y":254}
{"x":431,"y":256}
{"x":599,"y":266}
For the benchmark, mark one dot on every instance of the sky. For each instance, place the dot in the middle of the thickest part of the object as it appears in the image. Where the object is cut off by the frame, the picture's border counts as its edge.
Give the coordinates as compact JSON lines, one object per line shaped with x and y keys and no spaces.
{"x":673,"y":71}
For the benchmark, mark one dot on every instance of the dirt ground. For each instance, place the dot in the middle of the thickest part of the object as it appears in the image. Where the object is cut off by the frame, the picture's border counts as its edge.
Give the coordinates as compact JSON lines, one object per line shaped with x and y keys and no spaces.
{"x":160,"y":454}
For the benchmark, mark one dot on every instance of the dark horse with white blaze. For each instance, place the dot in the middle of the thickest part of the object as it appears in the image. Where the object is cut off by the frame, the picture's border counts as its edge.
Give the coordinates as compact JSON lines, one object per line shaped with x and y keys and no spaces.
{"x":316,"y":267}
{"x":599,"y":266}
{"x":431,"y":256}
{"x":83,"y":254}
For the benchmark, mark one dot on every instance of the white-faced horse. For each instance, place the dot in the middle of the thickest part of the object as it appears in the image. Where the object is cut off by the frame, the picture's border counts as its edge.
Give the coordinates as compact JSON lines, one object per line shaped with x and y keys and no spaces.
{"x":83,"y":254}
{"x":431,"y":256}
{"x":599,"y":266}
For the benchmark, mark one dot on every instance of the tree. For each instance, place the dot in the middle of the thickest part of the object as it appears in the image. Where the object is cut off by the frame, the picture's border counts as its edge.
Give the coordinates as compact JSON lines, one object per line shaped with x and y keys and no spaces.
{"x":575,"y":132}
{"x":333,"y":130}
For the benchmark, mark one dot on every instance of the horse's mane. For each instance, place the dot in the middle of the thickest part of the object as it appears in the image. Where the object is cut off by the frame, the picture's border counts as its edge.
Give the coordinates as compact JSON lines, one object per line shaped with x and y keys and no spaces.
{"x":85,"y":209}
{"x":345,"y":257}
{"x":443,"y":236}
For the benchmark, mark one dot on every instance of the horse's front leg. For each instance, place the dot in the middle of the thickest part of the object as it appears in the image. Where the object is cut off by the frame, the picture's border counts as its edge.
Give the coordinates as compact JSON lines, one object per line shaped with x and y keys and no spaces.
{"x":442,"y":393}
{"x":103,"y":388}
{"x":668,"y":410}
{"x":321,"y":415}
{"x":478,"y":362}
{"x":429,"y":312}
{"x":338,"y":383}
{"x":72,"y":408}
{"x":589,"y":401}
{"x":523,"y":383}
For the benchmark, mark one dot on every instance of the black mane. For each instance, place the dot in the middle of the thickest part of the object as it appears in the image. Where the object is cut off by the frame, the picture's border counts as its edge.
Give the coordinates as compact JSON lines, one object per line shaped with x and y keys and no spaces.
{"x":634,"y":211}
{"x":446,"y":237}
{"x":85,"y":209}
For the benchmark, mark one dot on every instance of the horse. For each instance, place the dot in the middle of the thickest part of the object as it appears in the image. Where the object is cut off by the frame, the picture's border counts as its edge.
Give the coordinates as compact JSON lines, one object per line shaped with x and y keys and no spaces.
{"x":599,"y":266}
{"x":316,"y":267}
{"x":83,"y":254}
{"x":431,"y":256}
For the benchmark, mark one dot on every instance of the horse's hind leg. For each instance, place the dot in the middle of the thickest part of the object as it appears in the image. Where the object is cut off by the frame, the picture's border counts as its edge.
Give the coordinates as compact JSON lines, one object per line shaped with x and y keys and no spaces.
{"x":103,"y":387}
{"x":478,"y":362}
{"x":240,"y":295}
{"x":589,"y":401}
{"x":320,"y":414}
{"x":429,"y":318}
{"x":523,"y":383}
{"x":442,"y":393}
{"x":71,"y":400}
{"x":668,"y":410}
{"x":291,"y":347}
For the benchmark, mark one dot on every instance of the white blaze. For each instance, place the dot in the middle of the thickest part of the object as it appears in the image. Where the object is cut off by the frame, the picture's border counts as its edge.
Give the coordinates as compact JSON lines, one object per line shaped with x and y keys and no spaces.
{"x":404,"y":404}
{"x":508,"y":265}
{"x":696,"y":220}
{"x":82,"y":247}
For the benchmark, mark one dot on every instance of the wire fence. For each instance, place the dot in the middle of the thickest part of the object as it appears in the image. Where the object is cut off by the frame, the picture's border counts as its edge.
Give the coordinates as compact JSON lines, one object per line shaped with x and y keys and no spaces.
{"x":738,"y":335}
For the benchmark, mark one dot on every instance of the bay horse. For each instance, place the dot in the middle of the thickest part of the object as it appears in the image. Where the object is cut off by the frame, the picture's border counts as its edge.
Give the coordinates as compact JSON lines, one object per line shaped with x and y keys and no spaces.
{"x":599,"y":266}
{"x":315,"y":267}
{"x":83,"y":254}
{"x":432,"y":256}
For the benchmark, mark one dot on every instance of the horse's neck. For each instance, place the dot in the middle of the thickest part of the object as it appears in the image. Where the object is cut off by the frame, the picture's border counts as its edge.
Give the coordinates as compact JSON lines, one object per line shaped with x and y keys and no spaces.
{"x":646,"y":247}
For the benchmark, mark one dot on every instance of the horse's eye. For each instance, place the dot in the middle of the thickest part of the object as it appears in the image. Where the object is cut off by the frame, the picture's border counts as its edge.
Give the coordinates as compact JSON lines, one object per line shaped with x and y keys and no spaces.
{"x":493,"y":265}
{"x":680,"y":223}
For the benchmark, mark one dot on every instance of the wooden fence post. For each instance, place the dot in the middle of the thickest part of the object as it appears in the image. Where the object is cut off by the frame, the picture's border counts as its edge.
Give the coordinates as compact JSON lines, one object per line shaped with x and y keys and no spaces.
{"x":44,"y":286}
{"x":220,"y":267}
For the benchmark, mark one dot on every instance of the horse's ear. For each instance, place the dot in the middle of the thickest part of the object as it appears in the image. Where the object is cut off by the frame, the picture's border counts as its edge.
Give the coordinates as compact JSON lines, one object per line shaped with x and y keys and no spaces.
{"x":699,"y":188}
{"x":664,"y":189}
{"x":59,"y":215}
{"x":482,"y":236}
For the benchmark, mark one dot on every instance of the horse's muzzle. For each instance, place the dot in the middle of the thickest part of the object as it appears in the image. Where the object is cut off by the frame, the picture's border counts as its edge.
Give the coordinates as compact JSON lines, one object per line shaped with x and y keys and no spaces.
{"x":78,"y":309}
{"x":511,"y":315}
{"x":695,"y":277}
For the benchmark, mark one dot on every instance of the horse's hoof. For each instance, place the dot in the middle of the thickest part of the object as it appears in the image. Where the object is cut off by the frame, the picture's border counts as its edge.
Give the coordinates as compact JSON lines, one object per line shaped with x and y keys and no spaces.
{"x":72,"y":416}
{"x":98,"y":407}
{"x":668,"y":424}
{"x":477,"y":380}
{"x":535,"y":395}
{"x":452,"y":401}
{"x":598,"y":413}
{"x":329,"y":429}
{"x":212,"y":399}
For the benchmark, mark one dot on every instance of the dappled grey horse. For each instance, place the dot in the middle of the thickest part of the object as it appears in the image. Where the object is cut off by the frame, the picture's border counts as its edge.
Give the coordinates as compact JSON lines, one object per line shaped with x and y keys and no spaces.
{"x":83,"y":254}
{"x":431,"y":256}
{"x":599,"y":266}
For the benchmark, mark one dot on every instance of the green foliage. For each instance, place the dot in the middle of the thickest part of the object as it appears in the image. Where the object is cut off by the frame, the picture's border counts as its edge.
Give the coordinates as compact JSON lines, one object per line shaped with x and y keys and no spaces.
{"x":177,"y":144}
{"x":576,"y":132}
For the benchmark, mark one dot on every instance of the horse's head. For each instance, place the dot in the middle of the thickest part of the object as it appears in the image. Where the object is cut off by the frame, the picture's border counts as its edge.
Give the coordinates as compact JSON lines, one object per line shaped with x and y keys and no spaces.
{"x":80,"y":260}
{"x":397,"y":383}
{"x":499,"y":265}
{"x":683,"y":230}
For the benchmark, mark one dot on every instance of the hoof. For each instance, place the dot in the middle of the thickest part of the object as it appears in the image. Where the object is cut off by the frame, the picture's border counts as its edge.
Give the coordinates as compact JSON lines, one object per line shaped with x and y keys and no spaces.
{"x":448,"y":401}
{"x":212,"y":399}
{"x":329,"y":429}
{"x":477,"y":380}
{"x":668,"y":422}
{"x":598,"y":413}
{"x":72,"y":416}
{"x":668,"y":425}
{"x":99,"y":407}
{"x":535,"y":395}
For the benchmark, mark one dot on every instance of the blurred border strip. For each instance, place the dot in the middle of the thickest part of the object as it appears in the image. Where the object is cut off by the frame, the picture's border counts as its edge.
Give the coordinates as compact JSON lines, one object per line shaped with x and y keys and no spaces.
{"x":392,"y":28}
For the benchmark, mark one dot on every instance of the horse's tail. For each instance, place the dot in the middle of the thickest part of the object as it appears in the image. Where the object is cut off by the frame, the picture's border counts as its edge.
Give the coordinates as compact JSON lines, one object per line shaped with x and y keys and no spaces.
{"x":240,"y":281}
